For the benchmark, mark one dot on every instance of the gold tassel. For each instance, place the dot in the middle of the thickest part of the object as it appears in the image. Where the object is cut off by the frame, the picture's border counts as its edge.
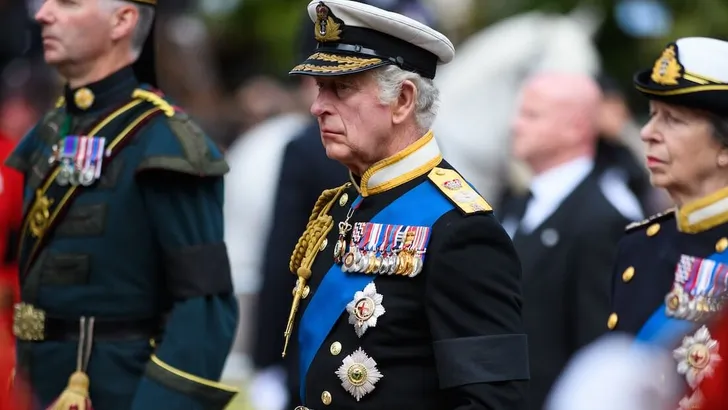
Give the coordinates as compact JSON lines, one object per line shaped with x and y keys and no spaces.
{"x":76,"y":395}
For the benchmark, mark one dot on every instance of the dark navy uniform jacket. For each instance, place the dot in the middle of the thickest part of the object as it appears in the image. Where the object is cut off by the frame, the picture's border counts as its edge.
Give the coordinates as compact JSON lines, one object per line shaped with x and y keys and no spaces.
{"x":450,"y":337}
{"x":667,"y":267}
{"x":141,"y":250}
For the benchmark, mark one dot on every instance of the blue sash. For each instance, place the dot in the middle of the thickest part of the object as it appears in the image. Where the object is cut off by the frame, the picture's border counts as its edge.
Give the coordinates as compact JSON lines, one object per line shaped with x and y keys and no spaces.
{"x":421,"y":206}
{"x":663,"y":331}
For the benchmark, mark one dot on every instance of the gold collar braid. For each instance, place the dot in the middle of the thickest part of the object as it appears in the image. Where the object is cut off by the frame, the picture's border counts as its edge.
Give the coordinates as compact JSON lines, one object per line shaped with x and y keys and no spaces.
{"x":319,"y":225}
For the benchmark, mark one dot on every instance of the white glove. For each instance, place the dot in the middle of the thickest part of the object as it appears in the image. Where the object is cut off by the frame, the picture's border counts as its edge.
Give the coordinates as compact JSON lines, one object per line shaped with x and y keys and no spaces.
{"x":616,"y":373}
{"x":267,"y":390}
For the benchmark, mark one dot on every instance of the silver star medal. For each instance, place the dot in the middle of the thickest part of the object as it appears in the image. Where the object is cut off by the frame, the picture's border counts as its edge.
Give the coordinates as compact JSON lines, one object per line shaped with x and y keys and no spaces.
{"x":359,"y":374}
{"x":691,"y":402}
{"x":365,"y":309}
{"x":697,"y":357}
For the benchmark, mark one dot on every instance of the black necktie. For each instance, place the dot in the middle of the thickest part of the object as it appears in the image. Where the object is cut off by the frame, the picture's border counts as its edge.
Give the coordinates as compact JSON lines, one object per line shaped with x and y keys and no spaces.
{"x":518,"y":206}
{"x":518,"y":211}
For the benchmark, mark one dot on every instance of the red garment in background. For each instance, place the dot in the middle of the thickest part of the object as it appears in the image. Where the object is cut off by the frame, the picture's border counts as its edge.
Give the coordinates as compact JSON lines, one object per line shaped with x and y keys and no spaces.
{"x":11,"y":203}
{"x":714,"y":388}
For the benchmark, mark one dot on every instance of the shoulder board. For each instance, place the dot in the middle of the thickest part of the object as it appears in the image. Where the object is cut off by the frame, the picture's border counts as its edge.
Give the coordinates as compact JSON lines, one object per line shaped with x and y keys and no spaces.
{"x":155,"y":99}
{"x":458,"y":191}
{"x":654,"y":218}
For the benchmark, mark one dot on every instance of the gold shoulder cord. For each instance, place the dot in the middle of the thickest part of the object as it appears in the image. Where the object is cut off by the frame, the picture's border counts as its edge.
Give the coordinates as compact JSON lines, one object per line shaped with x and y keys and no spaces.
{"x":319,"y":225}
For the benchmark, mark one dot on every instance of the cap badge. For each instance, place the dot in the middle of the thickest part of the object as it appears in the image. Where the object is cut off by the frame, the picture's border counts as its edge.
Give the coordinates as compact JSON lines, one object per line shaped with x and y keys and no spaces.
{"x":84,"y":98}
{"x":326,"y":28}
{"x":666,"y":70}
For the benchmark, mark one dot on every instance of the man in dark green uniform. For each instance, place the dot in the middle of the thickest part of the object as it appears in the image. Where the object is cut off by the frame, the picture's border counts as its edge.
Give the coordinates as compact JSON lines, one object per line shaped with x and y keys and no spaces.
{"x":124,"y":273}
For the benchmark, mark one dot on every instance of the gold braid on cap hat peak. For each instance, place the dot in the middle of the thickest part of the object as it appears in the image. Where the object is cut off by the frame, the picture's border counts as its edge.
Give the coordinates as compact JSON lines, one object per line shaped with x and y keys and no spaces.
{"x":344,"y":63}
{"x":319,"y":225}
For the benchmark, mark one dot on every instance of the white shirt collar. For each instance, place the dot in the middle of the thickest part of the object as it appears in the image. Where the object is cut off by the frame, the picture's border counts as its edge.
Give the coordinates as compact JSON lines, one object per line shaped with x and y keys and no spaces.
{"x":551,"y":188}
{"x":558,"y":182}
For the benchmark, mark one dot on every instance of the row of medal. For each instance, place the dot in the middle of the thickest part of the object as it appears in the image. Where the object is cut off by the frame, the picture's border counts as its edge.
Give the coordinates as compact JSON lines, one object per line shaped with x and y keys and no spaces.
{"x":699,"y":289}
{"x":386,"y":249}
{"x":80,"y":160}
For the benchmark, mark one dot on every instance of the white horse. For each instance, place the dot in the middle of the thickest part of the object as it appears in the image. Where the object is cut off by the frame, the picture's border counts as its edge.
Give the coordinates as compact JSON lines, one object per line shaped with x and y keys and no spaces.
{"x":480,"y":87}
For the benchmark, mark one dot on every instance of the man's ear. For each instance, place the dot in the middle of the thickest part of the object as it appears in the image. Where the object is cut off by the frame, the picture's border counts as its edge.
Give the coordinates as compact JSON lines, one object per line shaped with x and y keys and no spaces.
{"x":124,"y":21}
{"x":404,"y":105}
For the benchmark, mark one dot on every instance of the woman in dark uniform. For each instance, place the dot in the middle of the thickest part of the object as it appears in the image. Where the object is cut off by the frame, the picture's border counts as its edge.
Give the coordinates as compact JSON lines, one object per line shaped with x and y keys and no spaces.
{"x":672,"y":269}
{"x":671,"y":272}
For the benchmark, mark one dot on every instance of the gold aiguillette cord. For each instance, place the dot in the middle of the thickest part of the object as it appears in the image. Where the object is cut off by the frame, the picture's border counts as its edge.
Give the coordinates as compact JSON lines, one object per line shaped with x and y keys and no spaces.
{"x":319,"y":226}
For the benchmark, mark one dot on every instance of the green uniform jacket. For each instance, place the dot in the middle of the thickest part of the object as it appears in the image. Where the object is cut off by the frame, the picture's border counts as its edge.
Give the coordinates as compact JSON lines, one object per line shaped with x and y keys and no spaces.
{"x":141,"y":250}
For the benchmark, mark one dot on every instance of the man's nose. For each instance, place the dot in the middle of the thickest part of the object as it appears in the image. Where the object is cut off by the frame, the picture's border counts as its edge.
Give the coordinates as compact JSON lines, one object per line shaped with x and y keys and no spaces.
{"x":43,"y":15}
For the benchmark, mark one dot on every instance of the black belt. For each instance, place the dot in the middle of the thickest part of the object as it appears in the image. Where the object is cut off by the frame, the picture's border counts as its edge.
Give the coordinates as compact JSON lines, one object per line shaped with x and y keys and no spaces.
{"x":109,"y":330}
{"x":31,"y":324}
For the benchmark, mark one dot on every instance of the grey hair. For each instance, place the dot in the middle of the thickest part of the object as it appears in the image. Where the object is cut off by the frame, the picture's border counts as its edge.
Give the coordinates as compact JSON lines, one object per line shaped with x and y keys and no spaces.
{"x":390,"y":80}
{"x":720,"y":128}
{"x":143,"y":27}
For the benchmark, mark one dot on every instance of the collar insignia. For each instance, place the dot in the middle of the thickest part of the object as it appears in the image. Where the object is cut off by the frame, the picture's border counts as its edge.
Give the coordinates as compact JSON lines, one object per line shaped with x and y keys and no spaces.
{"x":667,"y":70}
{"x":327,"y":27}
{"x":83,"y":98}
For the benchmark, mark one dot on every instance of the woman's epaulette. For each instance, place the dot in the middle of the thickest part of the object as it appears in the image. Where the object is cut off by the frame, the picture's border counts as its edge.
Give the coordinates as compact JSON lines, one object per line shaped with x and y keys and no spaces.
{"x":654,"y":218}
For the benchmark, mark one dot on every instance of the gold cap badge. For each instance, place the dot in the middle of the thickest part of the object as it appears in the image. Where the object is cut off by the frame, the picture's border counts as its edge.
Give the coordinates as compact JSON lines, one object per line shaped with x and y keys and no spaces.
{"x":327,"y":28}
{"x":84,"y":98}
{"x":667,"y":70}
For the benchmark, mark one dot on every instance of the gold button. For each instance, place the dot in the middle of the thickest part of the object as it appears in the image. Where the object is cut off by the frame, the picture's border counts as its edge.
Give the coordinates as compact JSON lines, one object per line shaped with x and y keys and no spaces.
{"x":612,"y":322}
{"x":326,"y":398}
{"x":323,"y":245}
{"x":335,"y":348}
{"x":721,"y":245}
{"x":343,"y":199}
{"x":653,"y":229}
{"x":440,"y":172}
{"x":628,"y":274}
{"x":306,"y":291}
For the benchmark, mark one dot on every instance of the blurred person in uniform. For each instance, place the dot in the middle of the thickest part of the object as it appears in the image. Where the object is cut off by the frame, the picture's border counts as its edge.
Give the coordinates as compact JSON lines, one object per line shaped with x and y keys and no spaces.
{"x":306,"y":172}
{"x":565,"y":229}
{"x":672,"y":268}
{"x":126,"y":294}
{"x":408,"y":289}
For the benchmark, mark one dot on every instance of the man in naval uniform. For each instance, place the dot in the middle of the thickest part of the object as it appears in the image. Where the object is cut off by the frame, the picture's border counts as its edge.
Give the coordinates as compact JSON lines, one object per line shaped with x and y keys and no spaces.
{"x":125,"y":280}
{"x":408,"y":288}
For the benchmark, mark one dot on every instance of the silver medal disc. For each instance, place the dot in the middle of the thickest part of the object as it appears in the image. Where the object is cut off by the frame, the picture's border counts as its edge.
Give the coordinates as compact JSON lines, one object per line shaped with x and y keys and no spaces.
{"x":64,"y":176}
{"x":86,"y":177}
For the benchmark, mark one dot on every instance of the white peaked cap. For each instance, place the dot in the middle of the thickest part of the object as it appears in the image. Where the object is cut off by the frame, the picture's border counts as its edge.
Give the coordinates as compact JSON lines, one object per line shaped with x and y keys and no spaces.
{"x":692,"y":72}
{"x":354,"y":37}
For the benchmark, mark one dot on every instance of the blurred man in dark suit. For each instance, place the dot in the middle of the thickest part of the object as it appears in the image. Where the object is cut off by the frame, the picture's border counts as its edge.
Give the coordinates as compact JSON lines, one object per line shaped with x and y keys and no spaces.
{"x":565,"y":229}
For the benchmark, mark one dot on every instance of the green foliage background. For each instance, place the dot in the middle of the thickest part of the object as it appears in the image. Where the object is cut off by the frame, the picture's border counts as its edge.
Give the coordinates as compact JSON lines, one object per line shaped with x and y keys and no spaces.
{"x":265,"y":31}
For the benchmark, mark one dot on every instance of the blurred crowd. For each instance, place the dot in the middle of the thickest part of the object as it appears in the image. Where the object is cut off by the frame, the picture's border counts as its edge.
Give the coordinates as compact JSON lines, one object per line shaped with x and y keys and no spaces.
{"x":278,"y":167}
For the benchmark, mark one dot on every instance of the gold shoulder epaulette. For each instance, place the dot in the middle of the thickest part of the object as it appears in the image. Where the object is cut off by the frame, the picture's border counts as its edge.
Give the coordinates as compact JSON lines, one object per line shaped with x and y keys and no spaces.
{"x":654,"y":218}
{"x":154,"y":99}
{"x":458,"y":191}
